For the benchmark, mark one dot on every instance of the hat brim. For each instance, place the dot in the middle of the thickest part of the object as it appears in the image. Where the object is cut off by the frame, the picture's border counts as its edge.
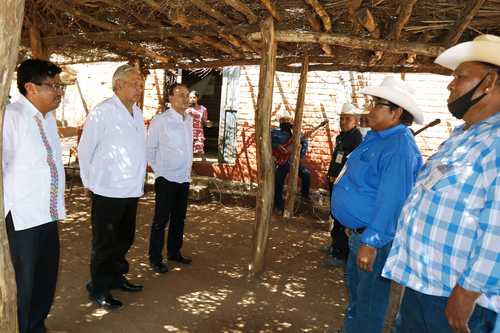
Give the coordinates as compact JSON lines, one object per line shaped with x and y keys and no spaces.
{"x":484,"y":51}
{"x":399,"y":98}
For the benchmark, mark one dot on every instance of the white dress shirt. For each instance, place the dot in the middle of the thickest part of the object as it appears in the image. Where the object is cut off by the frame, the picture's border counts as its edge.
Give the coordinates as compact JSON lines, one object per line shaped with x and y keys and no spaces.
{"x":112,"y":150}
{"x":170,"y":146}
{"x":26,"y":172}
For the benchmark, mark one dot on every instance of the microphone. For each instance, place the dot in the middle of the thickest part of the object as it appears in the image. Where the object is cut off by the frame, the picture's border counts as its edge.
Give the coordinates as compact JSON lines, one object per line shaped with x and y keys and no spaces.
{"x":431,"y":124}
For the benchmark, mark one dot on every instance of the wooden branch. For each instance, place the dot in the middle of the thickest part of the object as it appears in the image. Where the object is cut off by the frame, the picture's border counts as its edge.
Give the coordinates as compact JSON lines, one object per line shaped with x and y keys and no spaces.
{"x":297,"y":128}
{"x":11,"y":21}
{"x":368,"y":21}
{"x":288,"y":36}
{"x":320,"y":10}
{"x":213,"y":42}
{"x":271,"y":9}
{"x":38,"y":49}
{"x":470,"y":10}
{"x":403,"y":18}
{"x":243,"y":9}
{"x":142,"y":50}
{"x":316,"y":26}
{"x":265,"y":163}
{"x":63,"y":7}
{"x":211,"y":11}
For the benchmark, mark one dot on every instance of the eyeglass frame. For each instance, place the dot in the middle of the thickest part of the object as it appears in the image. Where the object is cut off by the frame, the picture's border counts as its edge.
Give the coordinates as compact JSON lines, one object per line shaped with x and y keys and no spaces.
{"x":53,"y":86}
{"x":373,"y":103}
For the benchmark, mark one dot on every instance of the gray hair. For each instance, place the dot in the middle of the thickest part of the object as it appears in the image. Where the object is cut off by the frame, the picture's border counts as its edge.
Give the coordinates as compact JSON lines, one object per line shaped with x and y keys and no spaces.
{"x":121,"y":72}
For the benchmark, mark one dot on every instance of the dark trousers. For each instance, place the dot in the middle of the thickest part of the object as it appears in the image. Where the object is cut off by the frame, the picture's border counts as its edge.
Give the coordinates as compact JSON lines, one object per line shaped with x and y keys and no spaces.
{"x":35,"y":256}
{"x":281,"y":173}
{"x":170,"y":208}
{"x":421,"y":313}
{"x":113,"y":230}
{"x":340,"y":241}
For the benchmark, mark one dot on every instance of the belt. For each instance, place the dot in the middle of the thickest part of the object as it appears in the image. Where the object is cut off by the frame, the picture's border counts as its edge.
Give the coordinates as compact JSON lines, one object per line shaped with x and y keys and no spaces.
{"x":359,"y":231}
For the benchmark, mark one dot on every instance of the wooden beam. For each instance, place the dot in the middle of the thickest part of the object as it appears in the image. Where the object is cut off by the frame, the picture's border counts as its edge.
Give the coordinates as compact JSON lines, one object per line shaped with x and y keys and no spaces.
{"x":143,"y":51}
{"x":320,"y":10}
{"x":243,"y":9}
{"x":316,"y":26}
{"x":211,"y":11}
{"x":297,"y":129}
{"x":11,"y":20}
{"x":63,"y":7}
{"x":288,"y":36}
{"x":403,"y":18}
{"x":265,"y":163}
{"x":470,"y":10}
{"x":368,"y":21}
{"x":213,"y":42}
{"x":271,"y":8}
{"x":38,"y":49}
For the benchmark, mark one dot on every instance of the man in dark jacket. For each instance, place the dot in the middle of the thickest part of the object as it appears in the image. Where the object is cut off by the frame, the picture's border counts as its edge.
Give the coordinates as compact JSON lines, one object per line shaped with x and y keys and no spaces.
{"x":348,"y":139}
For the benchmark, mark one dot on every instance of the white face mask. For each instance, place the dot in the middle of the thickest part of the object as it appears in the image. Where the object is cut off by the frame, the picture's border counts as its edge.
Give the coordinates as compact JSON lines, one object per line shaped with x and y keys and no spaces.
{"x":364,"y":130}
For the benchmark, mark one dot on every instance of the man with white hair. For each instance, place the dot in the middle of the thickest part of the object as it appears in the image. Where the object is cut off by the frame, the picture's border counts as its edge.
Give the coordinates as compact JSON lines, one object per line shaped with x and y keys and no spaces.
{"x":348,"y":139}
{"x":446,"y":249}
{"x":112,"y":156}
{"x":281,"y":141}
{"x":368,"y":195}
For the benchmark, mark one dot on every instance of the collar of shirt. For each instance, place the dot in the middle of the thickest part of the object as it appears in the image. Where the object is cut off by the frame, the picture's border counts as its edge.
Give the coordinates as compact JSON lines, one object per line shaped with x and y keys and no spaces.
{"x":491,"y":120}
{"x":177,"y":116}
{"x":29,"y":107}
{"x":389,"y":132}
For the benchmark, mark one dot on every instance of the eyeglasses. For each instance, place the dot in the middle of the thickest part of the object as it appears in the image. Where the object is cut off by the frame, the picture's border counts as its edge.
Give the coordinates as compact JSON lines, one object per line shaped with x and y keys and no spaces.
{"x":53,"y":86}
{"x":374,"y":103}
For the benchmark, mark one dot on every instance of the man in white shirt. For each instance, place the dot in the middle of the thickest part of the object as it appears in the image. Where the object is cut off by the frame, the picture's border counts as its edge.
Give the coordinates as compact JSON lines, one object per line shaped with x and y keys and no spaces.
{"x":170,"y":154}
{"x":33,"y":176}
{"x":112,"y":160}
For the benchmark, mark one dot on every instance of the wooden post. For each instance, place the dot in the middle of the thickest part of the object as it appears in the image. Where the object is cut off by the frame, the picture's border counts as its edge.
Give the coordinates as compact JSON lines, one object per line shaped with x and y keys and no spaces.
{"x":265,"y":163}
{"x":297,"y":125}
{"x":11,"y":20}
{"x":38,"y":50}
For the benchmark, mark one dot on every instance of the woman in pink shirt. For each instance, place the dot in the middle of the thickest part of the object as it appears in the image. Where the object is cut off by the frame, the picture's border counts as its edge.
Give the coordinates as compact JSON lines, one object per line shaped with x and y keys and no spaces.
{"x":200,"y":117}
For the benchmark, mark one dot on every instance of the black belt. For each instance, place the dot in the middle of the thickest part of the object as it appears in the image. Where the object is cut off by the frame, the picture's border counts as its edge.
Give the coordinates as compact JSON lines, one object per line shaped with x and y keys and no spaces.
{"x":359,"y":230}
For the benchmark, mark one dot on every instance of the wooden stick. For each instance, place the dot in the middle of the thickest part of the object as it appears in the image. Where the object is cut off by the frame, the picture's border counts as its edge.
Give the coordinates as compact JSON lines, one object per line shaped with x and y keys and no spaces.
{"x":315,"y":25}
{"x":243,"y":9}
{"x":368,"y":21}
{"x":11,"y":20}
{"x":288,"y":36}
{"x":403,"y":18}
{"x":213,"y":42}
{"x":211,"y":11}
{"x":320,"y":10}
{"x":84,"y":103}
{"x":265,"y":163}
{"x":470,"y":10}
{"x":141,"y":50}
{"x":297,"y":126}
{"x":271,"y":8}
{"x":63,"y":7}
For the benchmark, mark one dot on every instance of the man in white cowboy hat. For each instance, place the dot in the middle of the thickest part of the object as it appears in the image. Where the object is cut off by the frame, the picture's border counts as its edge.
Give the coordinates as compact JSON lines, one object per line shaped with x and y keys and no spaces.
{"x":446,"y":250}
{"x":348,"y":139}
{"x":368,"y":195}
{"x":281,"y":140}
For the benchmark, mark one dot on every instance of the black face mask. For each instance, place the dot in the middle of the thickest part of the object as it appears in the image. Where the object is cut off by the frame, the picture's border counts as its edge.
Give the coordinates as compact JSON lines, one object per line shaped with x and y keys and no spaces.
{"x":459,"y":107}
{"x":287,"y":127}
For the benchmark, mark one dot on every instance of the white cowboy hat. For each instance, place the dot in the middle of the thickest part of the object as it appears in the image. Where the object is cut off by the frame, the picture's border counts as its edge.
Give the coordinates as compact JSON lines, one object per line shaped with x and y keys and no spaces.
{"x":349,"y":109}
{"x":485,"y":48}
{"x":283,"y":114}
{"x":398,"y":92}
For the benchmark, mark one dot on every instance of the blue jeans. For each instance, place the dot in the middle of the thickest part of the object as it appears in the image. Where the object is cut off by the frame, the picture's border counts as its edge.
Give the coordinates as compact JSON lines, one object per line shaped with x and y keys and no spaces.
{"x":421,"y":313}
{"x":281,"y":173}
{"x":368,"y":292}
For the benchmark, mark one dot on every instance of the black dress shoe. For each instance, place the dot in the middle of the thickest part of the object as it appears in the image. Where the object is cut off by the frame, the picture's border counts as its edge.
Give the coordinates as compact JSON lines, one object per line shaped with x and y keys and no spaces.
{"x":106,"y":301}
{"x":125,"y":285}
{"x":181,"y":259}
{"x":159,"y":267}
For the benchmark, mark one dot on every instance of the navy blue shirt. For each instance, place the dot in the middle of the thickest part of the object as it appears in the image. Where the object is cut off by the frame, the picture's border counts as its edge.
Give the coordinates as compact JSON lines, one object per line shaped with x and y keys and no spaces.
{"x":377,"y":179}
{"x":280,"y":137}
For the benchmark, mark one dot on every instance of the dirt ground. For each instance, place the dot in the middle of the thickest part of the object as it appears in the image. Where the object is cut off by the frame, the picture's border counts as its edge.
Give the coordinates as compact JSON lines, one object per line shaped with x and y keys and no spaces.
{"x":214,"y":294}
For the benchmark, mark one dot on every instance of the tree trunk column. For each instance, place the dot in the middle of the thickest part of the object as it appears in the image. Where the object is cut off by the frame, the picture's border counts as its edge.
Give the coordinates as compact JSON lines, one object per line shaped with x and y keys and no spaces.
{"x":11,"y":20}
{"x":297,"y":128}
{"x":265,"y":163}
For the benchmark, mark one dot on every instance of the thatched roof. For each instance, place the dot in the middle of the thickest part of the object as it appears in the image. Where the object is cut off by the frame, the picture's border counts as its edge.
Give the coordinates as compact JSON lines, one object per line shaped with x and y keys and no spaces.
{"x":373,"y":35}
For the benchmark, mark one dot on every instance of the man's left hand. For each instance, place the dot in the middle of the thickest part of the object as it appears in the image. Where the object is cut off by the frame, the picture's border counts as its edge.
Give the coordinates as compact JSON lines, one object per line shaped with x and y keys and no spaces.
{"x":459,"y":308}
{"x":366,"y":257}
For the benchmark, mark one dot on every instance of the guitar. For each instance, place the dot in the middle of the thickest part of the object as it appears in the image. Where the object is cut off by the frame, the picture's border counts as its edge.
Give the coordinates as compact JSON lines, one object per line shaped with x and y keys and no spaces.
{"x":282,"y":154}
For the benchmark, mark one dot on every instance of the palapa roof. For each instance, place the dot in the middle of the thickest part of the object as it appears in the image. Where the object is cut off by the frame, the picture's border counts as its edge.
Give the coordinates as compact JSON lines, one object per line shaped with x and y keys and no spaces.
{"x":374,"y":35}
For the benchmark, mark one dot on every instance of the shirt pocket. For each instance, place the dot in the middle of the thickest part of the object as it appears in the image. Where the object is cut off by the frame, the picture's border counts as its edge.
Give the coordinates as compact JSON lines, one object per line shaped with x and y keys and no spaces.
{"x":451,"y":176}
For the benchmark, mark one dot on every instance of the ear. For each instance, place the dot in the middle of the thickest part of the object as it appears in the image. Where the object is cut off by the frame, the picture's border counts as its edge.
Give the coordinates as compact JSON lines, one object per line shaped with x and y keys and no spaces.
{"x":31,"y":88}
{"x":396,"y":113}
{"x":491,"y":81}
